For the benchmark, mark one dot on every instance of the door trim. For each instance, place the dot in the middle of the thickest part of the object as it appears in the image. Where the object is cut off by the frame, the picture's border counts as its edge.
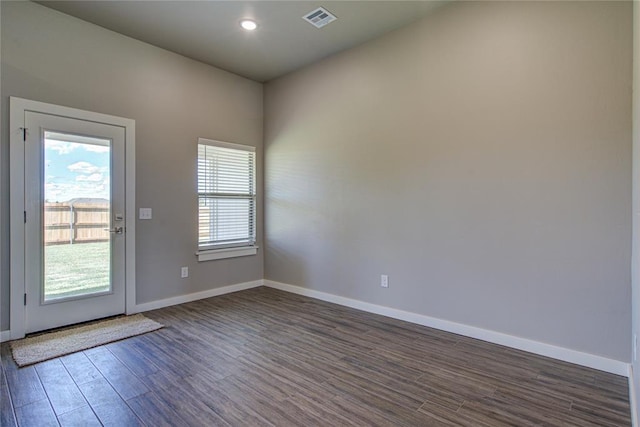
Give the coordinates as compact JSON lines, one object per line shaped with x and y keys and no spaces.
{"x":17,"y":109}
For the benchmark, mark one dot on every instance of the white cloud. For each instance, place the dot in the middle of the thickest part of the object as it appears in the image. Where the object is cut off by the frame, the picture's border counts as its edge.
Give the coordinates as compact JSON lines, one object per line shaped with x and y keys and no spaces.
{"x":62,"y":147}
{"x":94,"y":177}
{"x":61,"y":192}
{"x":96,"y":148}
{"x":84,"y":168}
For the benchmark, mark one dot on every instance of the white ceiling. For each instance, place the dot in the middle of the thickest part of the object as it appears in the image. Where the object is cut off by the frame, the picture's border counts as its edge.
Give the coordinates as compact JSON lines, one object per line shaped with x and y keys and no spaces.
{"x":209,"y":31}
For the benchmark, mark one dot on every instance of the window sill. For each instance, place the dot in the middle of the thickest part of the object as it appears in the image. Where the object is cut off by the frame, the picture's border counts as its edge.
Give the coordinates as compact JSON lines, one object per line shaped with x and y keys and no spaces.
{"x":213,"y":254}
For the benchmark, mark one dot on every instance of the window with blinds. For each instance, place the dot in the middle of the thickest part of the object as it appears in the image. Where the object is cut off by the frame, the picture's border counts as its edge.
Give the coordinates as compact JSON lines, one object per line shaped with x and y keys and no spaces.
{"x":226,"y":195}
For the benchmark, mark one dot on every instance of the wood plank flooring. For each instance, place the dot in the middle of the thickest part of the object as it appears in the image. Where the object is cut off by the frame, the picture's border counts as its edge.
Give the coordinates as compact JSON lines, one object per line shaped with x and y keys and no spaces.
{"x":263,"y":357}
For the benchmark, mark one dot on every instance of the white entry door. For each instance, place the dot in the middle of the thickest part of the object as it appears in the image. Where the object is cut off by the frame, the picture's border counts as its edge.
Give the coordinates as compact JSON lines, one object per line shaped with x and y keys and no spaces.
{"x":75,"y":230}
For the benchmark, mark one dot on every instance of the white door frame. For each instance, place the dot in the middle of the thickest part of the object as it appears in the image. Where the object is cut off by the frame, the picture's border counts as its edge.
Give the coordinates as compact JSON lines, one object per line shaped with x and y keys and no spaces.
{"x":17,"y":109}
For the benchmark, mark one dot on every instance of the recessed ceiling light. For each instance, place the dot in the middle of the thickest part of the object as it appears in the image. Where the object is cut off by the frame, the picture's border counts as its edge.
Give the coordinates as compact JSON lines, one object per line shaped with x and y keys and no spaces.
{"x":248,"y":24}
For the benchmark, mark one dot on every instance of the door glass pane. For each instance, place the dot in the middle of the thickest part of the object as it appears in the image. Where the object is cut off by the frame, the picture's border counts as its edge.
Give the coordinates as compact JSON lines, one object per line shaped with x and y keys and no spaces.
{"x":76,"y":215}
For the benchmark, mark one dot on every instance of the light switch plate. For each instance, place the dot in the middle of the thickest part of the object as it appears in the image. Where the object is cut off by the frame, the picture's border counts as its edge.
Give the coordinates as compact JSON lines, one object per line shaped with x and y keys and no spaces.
{"x":384,"y":281}
{"x":145,"y":213}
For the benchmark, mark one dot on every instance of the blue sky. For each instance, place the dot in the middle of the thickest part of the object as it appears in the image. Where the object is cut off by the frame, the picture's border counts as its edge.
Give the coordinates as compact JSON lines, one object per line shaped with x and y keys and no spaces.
{"x":74,"y":170}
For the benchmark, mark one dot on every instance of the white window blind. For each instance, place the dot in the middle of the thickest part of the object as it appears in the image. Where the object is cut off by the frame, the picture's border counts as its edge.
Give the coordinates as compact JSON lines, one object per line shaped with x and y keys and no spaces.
{"x":226,"y":195}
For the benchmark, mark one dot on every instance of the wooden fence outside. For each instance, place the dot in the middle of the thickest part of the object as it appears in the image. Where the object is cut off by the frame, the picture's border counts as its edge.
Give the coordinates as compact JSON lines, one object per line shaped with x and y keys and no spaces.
{"x":66,"y":223}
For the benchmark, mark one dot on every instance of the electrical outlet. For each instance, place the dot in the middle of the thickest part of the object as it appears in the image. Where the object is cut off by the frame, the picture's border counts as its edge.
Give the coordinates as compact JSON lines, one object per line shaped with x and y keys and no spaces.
{"x":384,"y":281}
{"x":184,"y":272}
{"x":145,"y":213}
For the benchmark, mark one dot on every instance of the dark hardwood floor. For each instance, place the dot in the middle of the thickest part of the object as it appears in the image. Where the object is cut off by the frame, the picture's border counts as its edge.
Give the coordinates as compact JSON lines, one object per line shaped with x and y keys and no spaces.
{"x":263,"y":357}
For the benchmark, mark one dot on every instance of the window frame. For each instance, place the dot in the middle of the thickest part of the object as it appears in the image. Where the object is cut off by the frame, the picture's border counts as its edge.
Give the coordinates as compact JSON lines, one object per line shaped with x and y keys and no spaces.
{"x":208,"y":252}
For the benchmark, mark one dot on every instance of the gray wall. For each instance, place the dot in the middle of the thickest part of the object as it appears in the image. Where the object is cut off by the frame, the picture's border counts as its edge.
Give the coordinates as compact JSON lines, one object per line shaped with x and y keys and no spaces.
{"x":481,"y":158}
{"x":635,"y":261}
{"x":51,"y":57}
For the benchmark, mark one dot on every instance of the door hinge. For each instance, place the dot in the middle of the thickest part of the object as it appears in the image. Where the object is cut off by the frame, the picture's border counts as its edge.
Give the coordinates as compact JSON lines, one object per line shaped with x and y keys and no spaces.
{"x":25,"y":299}
{"x":25,"y":217}
{"x":24,"y":133}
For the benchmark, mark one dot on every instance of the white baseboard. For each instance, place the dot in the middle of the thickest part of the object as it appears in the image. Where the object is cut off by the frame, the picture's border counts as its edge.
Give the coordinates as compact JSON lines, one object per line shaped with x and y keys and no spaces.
{"x":572,"y":356}
{"x":633,"y":402}
{"x":153,"y":305}
{"x":181,"y":299}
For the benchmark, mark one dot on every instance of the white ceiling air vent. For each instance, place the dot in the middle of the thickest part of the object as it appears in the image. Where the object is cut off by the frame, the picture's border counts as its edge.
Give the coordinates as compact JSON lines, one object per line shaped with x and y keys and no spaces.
{"x":319,"y":17}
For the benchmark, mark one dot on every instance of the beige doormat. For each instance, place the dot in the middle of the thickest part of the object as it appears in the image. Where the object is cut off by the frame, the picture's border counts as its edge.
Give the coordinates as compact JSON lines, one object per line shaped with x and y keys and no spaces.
{"x":47,"y":346}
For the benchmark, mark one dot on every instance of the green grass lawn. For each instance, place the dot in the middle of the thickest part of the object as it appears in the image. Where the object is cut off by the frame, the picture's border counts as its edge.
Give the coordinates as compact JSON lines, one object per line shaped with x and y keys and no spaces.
{"x":72,"y":270}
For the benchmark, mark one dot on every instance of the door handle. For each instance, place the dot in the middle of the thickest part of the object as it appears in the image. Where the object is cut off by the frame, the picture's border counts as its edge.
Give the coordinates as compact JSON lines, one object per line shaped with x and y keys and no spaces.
{"x":117,"y":230}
